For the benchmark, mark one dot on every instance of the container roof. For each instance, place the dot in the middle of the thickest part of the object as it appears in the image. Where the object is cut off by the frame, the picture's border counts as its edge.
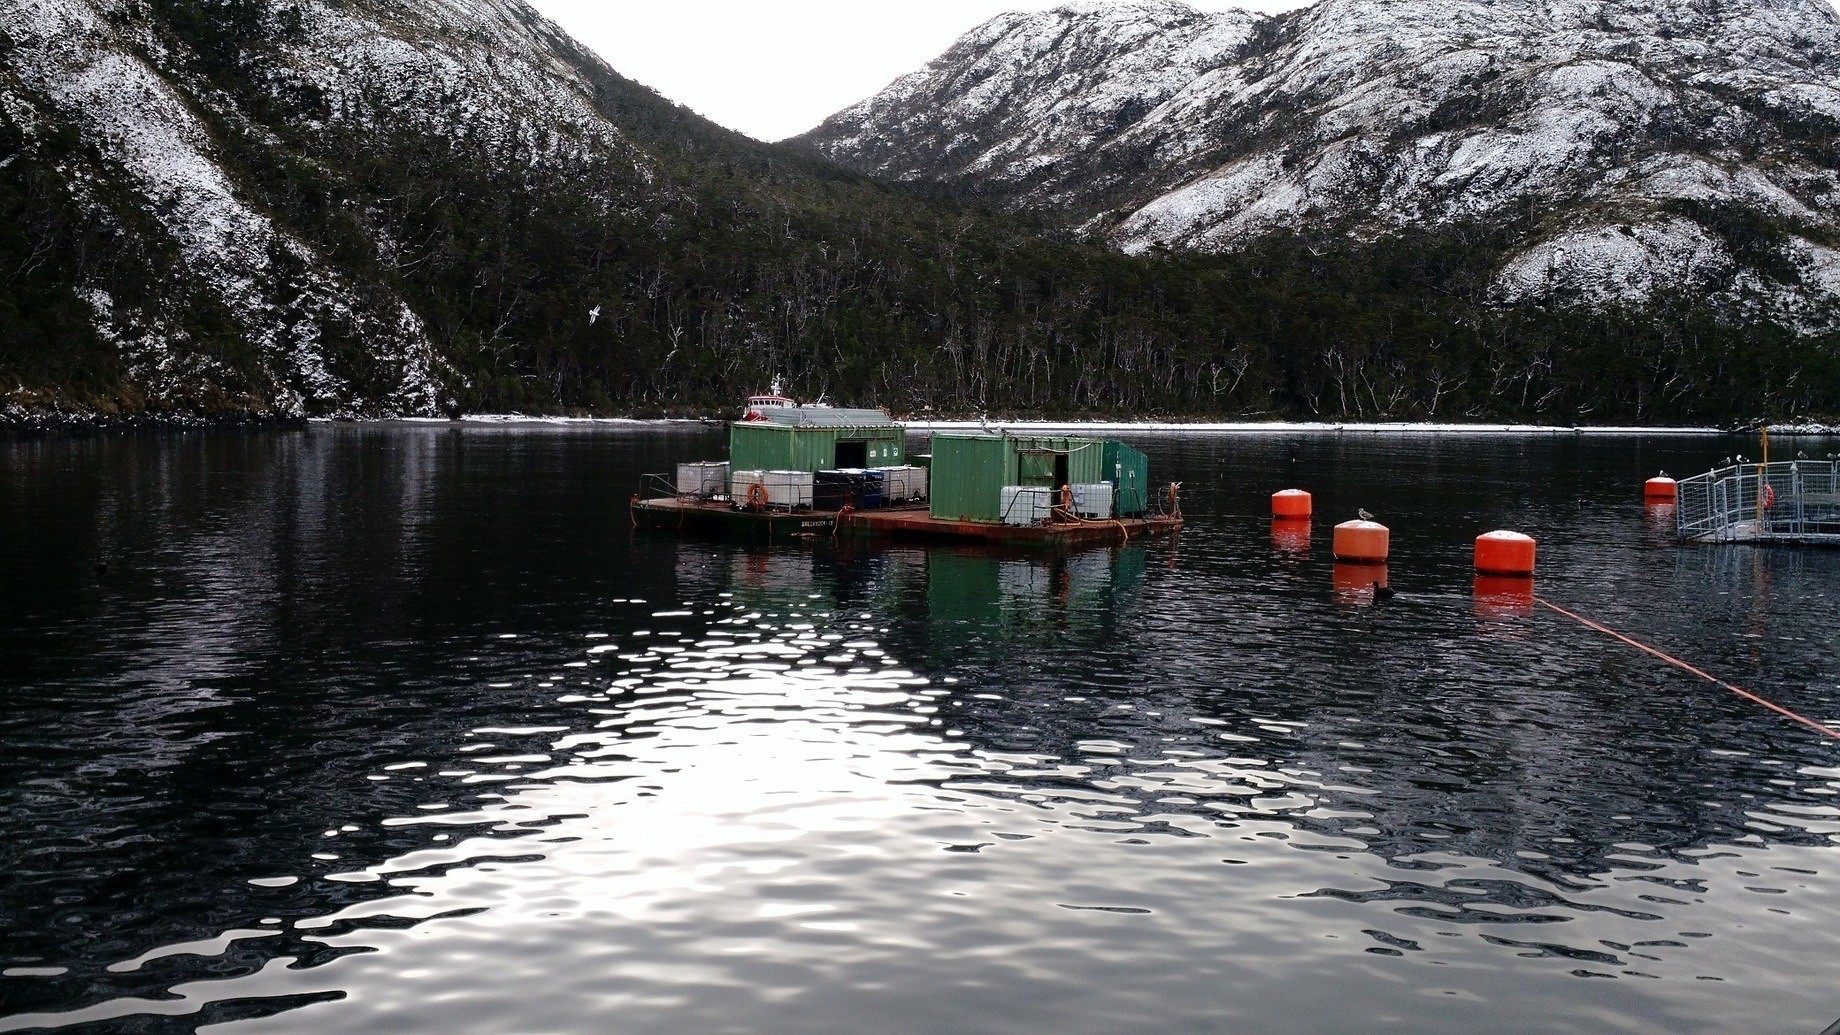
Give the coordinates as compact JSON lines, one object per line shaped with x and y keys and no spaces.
{"x":824,"y":417}
{"x":1025,"y":440}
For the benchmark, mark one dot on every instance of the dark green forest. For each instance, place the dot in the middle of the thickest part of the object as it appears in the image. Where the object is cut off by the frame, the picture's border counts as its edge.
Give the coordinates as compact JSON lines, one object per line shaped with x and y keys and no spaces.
{"x":726,"y":262}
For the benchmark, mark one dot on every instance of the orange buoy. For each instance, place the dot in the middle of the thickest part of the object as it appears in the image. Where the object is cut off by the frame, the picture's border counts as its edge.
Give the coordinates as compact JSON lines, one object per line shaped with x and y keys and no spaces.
{"x":1362,"y":542}
{"x":1291,"y":503}
{"x":1505,"y":553}
{"x":1499,"y":596}
{"x":1661,"y":489}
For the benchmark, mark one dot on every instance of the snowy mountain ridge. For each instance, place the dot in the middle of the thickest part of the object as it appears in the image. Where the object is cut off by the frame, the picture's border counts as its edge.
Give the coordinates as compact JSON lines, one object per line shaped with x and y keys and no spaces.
{"x":235,"y":209}
{"x":1635,"y":143}
{"x":482,"y":73}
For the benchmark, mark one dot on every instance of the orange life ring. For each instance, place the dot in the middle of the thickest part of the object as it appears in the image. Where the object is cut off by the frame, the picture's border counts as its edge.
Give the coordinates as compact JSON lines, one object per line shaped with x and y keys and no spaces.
{"x":1067,"y":498}
{"x":757,"y":498}
{"x":1769,"y":497}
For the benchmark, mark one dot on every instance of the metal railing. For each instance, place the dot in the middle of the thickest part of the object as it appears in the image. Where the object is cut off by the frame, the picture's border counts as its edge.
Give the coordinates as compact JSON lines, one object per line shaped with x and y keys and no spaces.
{"x":658,"y":487}
{"x":1796,"y":501}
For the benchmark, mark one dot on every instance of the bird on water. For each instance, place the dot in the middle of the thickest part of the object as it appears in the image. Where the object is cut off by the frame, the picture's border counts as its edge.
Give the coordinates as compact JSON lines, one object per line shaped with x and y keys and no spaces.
{"x":1383,"y":592}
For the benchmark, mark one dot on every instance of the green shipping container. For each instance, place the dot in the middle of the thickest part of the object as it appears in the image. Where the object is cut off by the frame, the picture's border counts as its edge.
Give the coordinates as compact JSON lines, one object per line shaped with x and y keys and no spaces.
{"x":763,"y":446}
{"x":1129,"y":472}
{"x":969,"y":471}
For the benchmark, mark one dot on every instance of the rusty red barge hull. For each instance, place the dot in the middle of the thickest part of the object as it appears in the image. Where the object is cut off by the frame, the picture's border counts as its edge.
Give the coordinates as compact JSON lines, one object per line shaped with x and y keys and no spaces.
{"x":919,"y":524}
{"x":894,"y":522}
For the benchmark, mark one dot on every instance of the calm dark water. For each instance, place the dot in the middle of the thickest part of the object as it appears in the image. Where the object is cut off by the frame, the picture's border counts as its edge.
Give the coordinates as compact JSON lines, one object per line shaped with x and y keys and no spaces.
{"x":394,"y":729}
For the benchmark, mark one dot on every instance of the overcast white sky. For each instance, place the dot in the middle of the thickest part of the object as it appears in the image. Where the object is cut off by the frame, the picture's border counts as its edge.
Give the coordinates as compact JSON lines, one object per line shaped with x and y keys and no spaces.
{"x":775,"y":68}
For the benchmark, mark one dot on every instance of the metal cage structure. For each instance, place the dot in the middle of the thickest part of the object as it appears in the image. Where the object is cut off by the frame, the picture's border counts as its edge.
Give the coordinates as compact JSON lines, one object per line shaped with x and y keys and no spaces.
{"x":1791,"y":502}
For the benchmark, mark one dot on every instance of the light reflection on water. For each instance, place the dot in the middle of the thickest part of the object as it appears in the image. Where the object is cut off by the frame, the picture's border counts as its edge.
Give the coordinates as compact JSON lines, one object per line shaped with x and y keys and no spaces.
{"x":391,"y":731}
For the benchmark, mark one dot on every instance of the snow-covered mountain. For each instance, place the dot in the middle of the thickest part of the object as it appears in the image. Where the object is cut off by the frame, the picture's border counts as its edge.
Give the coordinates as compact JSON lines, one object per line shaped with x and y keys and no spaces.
{"x":375,"y":207}
{"x":165,"y":128}
{"x":1610,"y":151}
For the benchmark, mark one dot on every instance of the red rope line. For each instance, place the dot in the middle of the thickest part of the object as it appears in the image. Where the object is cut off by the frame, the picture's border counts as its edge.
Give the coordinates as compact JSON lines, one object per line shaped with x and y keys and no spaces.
{"x":1677,"y":663}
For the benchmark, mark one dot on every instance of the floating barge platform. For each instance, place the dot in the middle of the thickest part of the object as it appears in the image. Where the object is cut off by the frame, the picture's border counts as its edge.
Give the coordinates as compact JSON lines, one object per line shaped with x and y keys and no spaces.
{"x":722,"y":517}
{"x":804,"y":472}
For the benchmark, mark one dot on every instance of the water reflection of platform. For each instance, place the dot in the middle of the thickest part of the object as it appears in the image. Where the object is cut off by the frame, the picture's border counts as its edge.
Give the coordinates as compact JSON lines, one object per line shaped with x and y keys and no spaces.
{"x":956,"y":593}
{"x":973,"y":593}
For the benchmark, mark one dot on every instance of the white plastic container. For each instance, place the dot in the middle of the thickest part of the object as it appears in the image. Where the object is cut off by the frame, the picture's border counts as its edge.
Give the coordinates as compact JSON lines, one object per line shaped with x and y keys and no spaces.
{"x":740,"y":481}
{"x":788,"y":489}
{"x":702,"y":480}
{"x":1026,"y":504}
{"x":1093,"y":502}
{"x":904,"y":483}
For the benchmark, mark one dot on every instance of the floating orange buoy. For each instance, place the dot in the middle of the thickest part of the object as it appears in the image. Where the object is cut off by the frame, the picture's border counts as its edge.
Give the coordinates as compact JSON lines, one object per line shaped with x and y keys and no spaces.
{"x":1501,"y":597}
{"x":1290,"y":535}
{"x":1362,"y":542}
{"x":1291,"y":503}
{"x":1505,"y":553}
{"x":1661,"y":489}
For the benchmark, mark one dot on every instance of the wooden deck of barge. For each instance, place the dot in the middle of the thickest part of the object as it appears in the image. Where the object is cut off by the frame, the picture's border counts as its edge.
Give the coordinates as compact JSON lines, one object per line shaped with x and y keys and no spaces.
{"x":911,"y":522}
{"x":721,"y":517}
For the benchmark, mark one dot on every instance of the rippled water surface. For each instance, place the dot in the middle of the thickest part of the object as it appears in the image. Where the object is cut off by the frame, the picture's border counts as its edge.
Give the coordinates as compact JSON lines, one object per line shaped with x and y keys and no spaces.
{"x":393,"y":729}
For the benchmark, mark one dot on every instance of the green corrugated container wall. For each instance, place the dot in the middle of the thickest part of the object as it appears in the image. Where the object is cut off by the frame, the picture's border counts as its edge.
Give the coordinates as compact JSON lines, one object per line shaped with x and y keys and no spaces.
{"x":969,"y":471}
{"x":760,"y":446}
{"x":963,"y":470}
{"x":1085,"y":460}
{"x":1129,"y":472}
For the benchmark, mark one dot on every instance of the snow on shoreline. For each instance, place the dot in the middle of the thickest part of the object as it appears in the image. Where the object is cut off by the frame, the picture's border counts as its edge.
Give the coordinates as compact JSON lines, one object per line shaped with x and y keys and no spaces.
{"x":1313,"y":428}
{"x":1123,"y":427}
{"x":15,"y":415}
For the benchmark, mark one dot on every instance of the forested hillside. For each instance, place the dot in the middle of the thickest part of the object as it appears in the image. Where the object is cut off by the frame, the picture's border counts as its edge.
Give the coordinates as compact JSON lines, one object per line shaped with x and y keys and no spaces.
{"x":412,"y":210}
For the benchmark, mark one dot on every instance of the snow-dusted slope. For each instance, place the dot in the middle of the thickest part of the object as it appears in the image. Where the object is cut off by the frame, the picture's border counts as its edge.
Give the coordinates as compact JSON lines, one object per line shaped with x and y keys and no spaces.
{"x":488,"y":76}
{"x":487,"y":72}
{"x":1620,"y":148}
{"x":1026,"y":91}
